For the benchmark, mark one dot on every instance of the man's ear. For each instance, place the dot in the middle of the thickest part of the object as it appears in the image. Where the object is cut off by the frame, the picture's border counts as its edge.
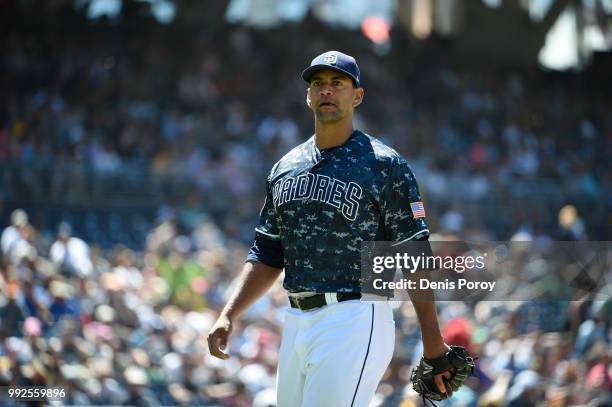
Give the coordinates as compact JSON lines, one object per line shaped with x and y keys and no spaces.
{"x":308,"y":97}
{"x":359,"y":94}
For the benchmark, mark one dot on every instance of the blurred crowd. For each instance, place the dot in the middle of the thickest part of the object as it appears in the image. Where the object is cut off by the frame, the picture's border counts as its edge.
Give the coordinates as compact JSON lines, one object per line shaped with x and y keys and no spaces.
{"x":127,"y":327}
{"x":136,"y":101}
{"x":497,"y":154}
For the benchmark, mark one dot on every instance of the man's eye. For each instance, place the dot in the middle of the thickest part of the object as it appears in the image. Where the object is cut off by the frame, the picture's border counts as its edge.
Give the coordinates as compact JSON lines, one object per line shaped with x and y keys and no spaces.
{"x":336,"y":83}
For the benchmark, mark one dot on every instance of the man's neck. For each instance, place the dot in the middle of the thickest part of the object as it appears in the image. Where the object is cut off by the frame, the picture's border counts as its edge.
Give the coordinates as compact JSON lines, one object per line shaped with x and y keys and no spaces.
{"x":332,"y":134}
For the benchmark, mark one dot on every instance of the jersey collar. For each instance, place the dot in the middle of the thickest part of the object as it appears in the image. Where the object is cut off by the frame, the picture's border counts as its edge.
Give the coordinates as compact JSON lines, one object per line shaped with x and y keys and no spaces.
{"x":318,"y":154}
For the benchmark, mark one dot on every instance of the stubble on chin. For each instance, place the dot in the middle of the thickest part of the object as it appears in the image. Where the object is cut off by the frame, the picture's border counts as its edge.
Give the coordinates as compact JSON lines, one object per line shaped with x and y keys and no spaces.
{"x":326,"y":117}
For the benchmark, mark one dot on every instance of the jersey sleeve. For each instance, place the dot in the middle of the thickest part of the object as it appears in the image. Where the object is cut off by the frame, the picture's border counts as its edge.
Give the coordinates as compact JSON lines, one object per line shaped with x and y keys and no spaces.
{"x":267,"y":247}
{"x":268,"y":222}
{"x":266,"y":251}
{"x":403,"y":210}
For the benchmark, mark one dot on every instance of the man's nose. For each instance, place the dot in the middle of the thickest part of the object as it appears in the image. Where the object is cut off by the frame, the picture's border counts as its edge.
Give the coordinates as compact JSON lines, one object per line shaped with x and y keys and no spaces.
{"x":326,"y":90}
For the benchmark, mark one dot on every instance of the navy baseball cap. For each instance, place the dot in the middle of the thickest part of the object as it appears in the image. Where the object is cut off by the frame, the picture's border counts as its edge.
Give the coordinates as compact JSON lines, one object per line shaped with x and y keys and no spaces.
{"x":333,"y":60}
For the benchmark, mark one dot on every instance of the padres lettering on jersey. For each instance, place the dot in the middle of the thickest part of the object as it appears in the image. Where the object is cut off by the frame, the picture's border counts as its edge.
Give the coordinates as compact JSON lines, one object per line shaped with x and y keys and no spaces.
{"x":322,"y":205}
{"x":320,"y":188}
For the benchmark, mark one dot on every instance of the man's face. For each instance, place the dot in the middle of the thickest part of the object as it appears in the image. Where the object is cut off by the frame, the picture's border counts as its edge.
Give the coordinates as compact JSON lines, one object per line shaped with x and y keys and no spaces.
{"x":332,"y":96}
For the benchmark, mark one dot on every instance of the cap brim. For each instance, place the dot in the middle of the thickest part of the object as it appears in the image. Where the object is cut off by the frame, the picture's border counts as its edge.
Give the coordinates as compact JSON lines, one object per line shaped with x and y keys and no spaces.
{"x":308,"y":72}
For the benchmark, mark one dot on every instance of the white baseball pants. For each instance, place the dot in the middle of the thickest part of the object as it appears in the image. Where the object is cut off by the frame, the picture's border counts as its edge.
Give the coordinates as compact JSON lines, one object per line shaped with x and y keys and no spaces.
{"x":336,"y":355}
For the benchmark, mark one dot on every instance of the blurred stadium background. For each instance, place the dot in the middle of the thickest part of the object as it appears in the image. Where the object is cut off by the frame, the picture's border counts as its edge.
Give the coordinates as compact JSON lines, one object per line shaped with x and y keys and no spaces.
{"x":135,"y":137}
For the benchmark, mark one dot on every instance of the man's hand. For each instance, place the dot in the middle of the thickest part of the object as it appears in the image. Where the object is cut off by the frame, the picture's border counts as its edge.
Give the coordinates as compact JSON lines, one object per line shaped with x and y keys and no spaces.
{"x":433,"y":352}
{"x":218,"y":337}
{"x":254,"y":281}
{"x":436,"y":379}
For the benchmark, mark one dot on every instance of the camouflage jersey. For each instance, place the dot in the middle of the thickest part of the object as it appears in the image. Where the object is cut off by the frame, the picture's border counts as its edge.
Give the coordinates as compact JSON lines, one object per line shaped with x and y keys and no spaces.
{"x":322,"y":204}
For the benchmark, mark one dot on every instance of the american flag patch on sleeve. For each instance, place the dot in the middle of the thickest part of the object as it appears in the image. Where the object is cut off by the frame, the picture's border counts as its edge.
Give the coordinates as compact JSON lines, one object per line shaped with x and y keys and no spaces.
{"x":418,"y":210}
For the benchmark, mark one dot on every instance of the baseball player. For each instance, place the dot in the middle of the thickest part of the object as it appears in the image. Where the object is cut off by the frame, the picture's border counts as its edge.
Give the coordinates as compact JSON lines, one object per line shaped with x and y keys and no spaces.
{"x":325,"y":197}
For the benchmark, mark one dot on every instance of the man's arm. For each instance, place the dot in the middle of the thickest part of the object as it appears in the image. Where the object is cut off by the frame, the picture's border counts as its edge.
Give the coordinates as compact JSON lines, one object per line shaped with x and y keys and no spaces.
{"x":424,"y":302}
{"x":423,"y":299}
{"x":433,"y":343}
{"x":399,"y":193}
{"x":254,"y":281}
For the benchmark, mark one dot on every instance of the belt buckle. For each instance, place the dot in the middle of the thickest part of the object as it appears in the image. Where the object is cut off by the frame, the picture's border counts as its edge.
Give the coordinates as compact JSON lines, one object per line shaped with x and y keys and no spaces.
{"x":296,"y":302}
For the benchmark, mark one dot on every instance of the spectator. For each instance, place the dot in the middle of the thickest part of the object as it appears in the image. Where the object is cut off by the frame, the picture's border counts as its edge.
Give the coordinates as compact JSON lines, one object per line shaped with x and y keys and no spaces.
{"x":71,"y":254}
{"x":14,"y":233}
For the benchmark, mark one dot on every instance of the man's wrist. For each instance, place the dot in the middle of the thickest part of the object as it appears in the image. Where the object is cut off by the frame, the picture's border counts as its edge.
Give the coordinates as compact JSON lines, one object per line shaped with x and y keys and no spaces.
{"x":434,"y":350}
{"x":227,"y":314}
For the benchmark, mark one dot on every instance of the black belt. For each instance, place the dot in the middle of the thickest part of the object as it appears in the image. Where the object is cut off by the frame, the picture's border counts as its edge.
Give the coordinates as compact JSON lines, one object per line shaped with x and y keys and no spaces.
{"x":318,"y":300}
